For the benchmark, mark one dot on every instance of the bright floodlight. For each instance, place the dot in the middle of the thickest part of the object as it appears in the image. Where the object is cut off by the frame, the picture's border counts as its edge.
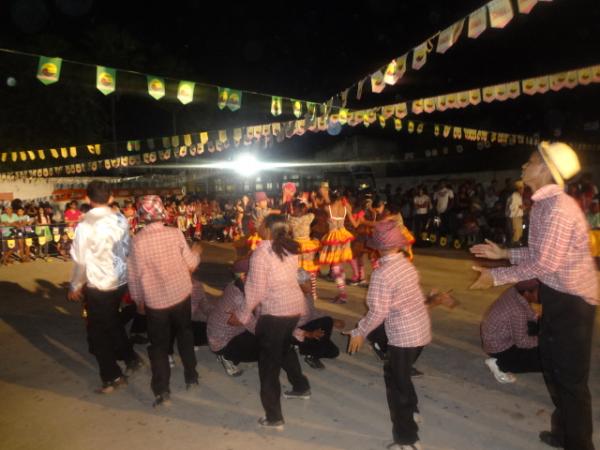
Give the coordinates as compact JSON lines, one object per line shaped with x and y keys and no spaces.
{"x":246,"y":165}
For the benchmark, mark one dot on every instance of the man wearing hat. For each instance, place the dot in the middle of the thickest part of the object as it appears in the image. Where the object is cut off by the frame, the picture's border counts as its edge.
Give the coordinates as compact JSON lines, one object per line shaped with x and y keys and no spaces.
{"x":558,"y":255}
{"x":395,"y":299}
{"x":160,"y":264}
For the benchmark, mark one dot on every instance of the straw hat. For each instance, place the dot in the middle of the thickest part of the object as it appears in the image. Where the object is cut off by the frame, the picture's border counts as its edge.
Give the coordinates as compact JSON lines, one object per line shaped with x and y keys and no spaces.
{"x":561,"y":160}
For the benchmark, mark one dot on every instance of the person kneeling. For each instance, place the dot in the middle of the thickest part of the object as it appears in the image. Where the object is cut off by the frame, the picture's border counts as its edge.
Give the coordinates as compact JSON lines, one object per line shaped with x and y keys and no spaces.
{"x":509,"y":333}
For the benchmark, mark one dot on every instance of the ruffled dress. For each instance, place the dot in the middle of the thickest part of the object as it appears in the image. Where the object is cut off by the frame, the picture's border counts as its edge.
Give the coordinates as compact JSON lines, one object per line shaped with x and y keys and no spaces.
{"x":336,"y":245}
{"x":308,"y":247}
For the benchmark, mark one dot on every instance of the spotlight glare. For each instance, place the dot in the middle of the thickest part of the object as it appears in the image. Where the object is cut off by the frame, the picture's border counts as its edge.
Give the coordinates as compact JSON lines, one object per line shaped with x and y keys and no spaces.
{"x":246,"y":165}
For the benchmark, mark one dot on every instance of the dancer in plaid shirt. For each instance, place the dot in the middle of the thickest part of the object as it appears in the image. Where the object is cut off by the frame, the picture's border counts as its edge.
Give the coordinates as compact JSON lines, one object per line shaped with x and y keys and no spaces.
{"x":395,"y":298}
{"x":160,"y":266}
{"x":558,"y":254}
{"x":272,"y":285}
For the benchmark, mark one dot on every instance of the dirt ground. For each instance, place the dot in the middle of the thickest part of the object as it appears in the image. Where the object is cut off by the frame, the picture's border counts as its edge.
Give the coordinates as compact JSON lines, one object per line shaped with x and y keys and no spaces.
{"x":47,"y":379}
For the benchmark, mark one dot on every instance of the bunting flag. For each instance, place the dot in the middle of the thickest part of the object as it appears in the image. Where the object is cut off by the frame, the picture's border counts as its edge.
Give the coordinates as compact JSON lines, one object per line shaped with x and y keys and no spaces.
{"x":571,"y":79}
{"x":477,"y":22}
{"x":525,"y":6}
{"x":397,"y":124}
{"x":584,"y":76}
{"x":501,"y":13}
{"x":106,"y":79}
{"x":449,"y":36}
{"x":463,"y":99}
{"x":400,"y":110}
{"x":223,"y":97}
{"x":387,"y":111}
{"x":417,"y":106}
{"x":156,"y":87}
{"x":343,"y":116}
{"x":276,"y":106}
{"x":377,"y":83}
{"x":529,"y":86}
{"x":48,"y":71}
{"x":234,"y":102}
{"x":185,"y":91}
{"x":420,"y":56}
{"x":501,"y":92}
{"x":395,"y":70}
{"x":382,"y":121}
{"x":514,"y":89}
{"x":297,"y":108}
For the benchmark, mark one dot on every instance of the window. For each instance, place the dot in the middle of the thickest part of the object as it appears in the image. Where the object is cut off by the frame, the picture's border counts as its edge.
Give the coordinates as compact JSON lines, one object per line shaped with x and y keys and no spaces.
{"x":259,"y":186}
{"x":269,"y":186}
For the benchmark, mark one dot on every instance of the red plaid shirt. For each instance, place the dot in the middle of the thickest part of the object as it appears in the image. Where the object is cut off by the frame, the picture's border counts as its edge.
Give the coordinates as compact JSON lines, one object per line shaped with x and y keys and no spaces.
{"x":218,"y":331}
{"x":272,"y":284}
{"x":395,"y":298}
{"x":201,"y":304}
{"x":505,"y":323}
{"x":160,"y":263}
{"x":558,"y":253}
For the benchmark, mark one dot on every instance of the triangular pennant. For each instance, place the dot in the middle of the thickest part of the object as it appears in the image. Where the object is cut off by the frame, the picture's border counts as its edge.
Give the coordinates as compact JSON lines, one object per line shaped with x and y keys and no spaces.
{"x":501,"y":92}
{"x":449,"y":36}
{"x":501,"y":12}
{"x":234,"y":102}
{"x":49,"y":70}
{"x":397,"y":124}
{"x":377,"y":83}
{"x":106,"y":79}
{"x":477,"y":22}
{"x":276,"y":106}
{"x":436,"y":130}
{"x":525,"y":6}
{"x":463,"y":99}
{"x":543,"y":85}
{"x":297,"y":108}
{"x":156,"y":87}
{"x":558,"y":81}
{"x":514,"y":89}
{"x":420,"y":55}
{"x":451,"y":101}
{"x":475,"y":96}
{"x":185,"y":91}
{"x":429,"y":105}
{"x":417,"y":106}
{"x":382,"y":121}
{"x":400,"y":110}
{"x":395,"y":70}
{"x":440,"y":103}
{"x":584,"y":76}
{"x":489,"y":94}
{"x":529,"y":86}
{"x":572,"y":79}
{"x":447,"y":129}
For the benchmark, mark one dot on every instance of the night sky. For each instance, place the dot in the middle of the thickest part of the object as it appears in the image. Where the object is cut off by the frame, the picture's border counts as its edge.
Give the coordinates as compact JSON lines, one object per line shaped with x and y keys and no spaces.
{"x":309,"y":50}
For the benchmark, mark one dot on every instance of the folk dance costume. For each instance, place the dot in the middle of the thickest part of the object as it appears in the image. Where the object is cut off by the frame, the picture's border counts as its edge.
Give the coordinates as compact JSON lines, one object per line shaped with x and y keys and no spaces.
{"x":308,"y":247}
{"x":359,"y":246}
{"x":395,"y":299}
{"x":181,"y":218}
{"x":336,"y":249}
{"x":258,"y":216}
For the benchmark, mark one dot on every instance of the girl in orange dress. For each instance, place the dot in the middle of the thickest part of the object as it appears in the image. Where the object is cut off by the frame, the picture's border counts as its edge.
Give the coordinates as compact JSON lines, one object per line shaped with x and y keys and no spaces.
{"x":300,"y":222}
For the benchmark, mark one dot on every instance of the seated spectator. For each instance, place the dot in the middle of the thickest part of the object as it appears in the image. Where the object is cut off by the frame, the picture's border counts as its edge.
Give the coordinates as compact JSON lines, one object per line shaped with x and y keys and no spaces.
{"x":509,"y":333}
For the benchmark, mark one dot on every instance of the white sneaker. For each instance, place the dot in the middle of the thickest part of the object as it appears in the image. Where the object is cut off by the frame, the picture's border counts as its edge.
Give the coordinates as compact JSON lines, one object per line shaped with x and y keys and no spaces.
{"x":501,"y":377}
{"x":230,"y":368}
{"x":416,"y":446}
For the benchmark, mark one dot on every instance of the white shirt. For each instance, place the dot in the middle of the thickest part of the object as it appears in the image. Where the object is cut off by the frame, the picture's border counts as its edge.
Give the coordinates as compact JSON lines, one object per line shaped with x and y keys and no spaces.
{"x":514,"y":205}
{"x":442,"y":197}
{"x":422,"y":204}
{"x":100,"y":250}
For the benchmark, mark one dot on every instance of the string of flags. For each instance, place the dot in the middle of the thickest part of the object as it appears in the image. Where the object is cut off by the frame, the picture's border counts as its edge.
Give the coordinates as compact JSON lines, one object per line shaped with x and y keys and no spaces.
{"x":498,"y":13}
{"x":49,"y":70}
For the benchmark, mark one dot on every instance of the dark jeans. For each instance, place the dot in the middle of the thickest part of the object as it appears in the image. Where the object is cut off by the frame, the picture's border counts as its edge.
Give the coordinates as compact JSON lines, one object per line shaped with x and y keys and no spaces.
{"x":161,"y":324}
{"x":519,"y":360}
{"x":323,"y":347}
{"x":106,"y":333}
{"x":420,"y":224}
{"x":276,"y":352}
{"x":378,"y":336}
{"x":401,"y":395}
{"x":565,"y":348}
{"x":200,"y":336}
{"x":242,"y":348}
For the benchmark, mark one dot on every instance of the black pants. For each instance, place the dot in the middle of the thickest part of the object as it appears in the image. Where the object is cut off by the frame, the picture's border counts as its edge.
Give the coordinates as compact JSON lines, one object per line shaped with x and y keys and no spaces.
{"x":276,"y":352}
{"x":106,"y":333}
{"x":242,"y":348}
{"x":323,"y":347}
{"x":401,"y":395}
{"x":565,"y":348}
{"x":161,"y":324}
{"x":420,"y":224}
{"x":519,"y":360}
{"x":378,"y":336}
{"x":200,"y":337}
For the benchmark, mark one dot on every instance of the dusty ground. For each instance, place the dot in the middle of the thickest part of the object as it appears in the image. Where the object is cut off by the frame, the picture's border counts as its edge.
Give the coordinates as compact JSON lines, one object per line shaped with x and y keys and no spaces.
{"x":47,"y":378}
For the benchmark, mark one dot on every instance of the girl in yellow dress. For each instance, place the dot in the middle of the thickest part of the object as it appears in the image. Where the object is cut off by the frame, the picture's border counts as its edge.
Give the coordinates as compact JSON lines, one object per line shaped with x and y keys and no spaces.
{"x":336,"y":248}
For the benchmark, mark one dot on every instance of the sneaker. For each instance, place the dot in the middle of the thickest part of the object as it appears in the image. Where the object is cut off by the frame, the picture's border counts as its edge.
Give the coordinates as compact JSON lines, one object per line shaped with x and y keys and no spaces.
{"x":416,"y":373}
{"x":273,"y":425}
{"x":299,"y":395}
{"x":171,"y":361}
{"x":548,"y":438}
{"x":415,"y":446}
{"x":230,"y":368}
{"x":134,"y":365}
{"x":109,"y":386}
{"x":162,"y":400}
{"x":501,"y":377}
{"x":313,"y":362}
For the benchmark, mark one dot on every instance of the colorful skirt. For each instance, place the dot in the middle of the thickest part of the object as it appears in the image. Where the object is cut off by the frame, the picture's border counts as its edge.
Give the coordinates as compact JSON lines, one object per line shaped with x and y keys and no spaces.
{"x":308,"y":252}
{"x":253,"y":240}
{"x":336,"y":247}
